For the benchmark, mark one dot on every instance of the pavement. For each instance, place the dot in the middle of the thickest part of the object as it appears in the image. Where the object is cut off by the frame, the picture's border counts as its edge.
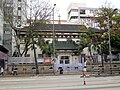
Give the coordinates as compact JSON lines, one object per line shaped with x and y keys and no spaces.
{"x":60,"y":82}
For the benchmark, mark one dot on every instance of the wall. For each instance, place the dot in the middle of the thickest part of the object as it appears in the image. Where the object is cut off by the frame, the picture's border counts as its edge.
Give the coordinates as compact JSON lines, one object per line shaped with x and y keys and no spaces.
{"x":29,"y":69}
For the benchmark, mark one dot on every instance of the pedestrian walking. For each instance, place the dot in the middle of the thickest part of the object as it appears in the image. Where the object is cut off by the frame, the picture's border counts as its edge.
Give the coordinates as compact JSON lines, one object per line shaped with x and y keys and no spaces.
{"x":15,"y":71}
{"x":61,"y":70}
{"x":12,"y":70}
{"x":2,"y":71}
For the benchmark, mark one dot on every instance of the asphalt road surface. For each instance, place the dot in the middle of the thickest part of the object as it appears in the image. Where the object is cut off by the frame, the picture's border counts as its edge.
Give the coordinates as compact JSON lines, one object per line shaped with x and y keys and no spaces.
{"x":62,"y":82}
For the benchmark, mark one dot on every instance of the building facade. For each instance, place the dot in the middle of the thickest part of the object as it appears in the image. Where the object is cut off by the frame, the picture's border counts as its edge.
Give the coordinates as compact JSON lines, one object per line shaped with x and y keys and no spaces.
{"x":1,"y":27}
{"x":67,"y":58}
{"x":67,"y":54}
{"x":81,"y":14}
{"x":14,"y":16}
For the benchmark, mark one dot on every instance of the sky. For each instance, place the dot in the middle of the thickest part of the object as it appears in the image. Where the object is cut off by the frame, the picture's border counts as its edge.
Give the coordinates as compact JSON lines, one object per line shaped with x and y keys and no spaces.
{"x":62,"y":5}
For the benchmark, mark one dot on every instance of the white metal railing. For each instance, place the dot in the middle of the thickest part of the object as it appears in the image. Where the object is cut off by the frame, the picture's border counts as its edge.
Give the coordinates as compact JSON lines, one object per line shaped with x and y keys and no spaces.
{"x":18,"y":60}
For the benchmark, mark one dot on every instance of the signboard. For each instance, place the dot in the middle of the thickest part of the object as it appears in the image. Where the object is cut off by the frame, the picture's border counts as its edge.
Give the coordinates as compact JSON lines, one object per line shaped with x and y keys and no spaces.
{"x":48,"y":60}
{"x":40,"y":60}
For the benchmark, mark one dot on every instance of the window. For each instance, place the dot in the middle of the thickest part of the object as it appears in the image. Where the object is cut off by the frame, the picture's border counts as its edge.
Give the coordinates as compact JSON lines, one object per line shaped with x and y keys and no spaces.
{"x":64,"y":60}
{"x":67,"y":61}
{"x":7,"y":32}
{"x":19,"y":8}
{"x":19,"y":17}
{"x":74,"y":17}
{"x":76,"y":67}
{"x":61,"y":61}
{"x":91,"y":11}
{"x":82,"y":11}
{"x":19,"y":0}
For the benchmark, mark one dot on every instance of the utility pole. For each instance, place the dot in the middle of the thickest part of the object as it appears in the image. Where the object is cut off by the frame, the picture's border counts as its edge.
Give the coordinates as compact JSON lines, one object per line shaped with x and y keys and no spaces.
{"x":110,"y":54}
{"x":53,"y":40}
{"x":109,"y":29}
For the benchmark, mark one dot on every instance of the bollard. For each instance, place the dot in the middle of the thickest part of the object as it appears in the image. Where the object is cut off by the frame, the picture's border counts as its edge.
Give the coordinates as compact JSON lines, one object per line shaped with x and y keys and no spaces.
{"x":84,"y":78}
{"x":84,"y":75}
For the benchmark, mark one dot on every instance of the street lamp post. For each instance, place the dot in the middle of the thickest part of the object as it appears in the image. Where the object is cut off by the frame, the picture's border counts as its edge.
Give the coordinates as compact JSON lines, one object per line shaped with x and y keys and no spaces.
{"x":53,"y":39}
{"x":110,"y":54}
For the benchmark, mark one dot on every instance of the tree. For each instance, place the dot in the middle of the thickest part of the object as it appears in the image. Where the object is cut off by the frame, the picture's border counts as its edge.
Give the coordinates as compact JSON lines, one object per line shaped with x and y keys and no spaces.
{"x":37,"y":13}
{"x":115,"y":42}
{"x":82,"y":43}
{"x":114,"y":21}
{"x":45,"y":46}
{"x":93,"y":42}
{"x":40,"y":14}
{"x":89,"y":39}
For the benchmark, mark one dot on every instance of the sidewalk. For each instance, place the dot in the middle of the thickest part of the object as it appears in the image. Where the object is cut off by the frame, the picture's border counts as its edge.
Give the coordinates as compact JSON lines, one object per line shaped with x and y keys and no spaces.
{"x":88,"y":74}
{"x":19,"y":75}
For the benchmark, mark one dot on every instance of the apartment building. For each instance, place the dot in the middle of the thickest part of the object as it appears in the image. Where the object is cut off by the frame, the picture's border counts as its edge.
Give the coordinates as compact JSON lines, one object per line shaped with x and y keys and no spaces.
{"x":3,"y":50}
{"x":1,"y":27}
{"x":15,"y":10}
{"x":81,"y":14}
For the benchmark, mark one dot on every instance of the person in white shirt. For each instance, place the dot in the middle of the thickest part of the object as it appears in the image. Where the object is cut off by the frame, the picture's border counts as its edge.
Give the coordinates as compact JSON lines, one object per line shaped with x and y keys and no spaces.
{"x":2,"y":71}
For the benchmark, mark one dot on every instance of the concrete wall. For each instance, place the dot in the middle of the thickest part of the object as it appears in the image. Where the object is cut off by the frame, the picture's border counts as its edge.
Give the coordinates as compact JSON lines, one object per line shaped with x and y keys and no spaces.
{"x":28,"y":69}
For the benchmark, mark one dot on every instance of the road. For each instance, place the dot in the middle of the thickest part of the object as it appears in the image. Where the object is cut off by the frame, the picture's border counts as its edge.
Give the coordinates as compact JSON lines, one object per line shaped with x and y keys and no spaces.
{"x":62,"y":82}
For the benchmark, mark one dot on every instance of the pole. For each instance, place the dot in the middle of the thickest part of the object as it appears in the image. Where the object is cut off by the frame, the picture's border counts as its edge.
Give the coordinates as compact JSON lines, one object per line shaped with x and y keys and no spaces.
{"x":84,"y":75}
{"x":53,"y":40}
{"x":84,"y":72}
{"x":110,"y":54}
{"x":108,"y":26}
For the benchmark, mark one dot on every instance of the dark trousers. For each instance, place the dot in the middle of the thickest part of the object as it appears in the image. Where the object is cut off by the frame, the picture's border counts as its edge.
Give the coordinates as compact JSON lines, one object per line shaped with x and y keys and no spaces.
{"x":15,"y":73}
{"x":2,"y":73}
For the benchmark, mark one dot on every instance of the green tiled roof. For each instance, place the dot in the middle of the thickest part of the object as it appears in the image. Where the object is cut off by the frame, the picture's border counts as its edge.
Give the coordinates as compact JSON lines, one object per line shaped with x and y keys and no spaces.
{"x":62,"y":28}
{"x":65,"y":45}
{"x":59,"y":27}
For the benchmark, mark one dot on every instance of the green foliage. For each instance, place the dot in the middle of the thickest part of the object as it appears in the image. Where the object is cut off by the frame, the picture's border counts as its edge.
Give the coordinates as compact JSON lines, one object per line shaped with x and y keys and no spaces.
{"x":45,"y":46}
{"x":83,"y":42}
{"x":90,"y":40}
{"x":115,"y":42}
{"x":114,"y":23}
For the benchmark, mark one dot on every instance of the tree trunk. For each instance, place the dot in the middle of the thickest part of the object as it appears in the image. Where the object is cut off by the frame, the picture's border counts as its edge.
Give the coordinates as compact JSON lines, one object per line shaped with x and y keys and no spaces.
{"x":90,"y":53}
{"x":36,"y":64}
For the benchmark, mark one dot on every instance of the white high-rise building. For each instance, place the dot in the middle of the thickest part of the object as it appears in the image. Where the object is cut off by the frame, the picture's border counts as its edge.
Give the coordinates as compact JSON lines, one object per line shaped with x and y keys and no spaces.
{"x":19,"y":10}
{"x":79,"y":13}
{"x":15,"y":10}
{"x":1,"y":27}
